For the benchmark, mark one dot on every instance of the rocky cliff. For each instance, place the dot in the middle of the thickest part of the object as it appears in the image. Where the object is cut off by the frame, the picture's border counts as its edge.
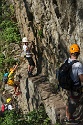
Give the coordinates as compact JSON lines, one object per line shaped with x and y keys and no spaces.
{"x":53,"y":25}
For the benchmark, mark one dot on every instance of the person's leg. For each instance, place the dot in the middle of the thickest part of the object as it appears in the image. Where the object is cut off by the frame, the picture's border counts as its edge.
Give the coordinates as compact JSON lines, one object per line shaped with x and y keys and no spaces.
{"x":32,"y":64}
{"x":29,"y":67}
{"x":70,"y":108}
{"x":65,"y":96}
{"x":32,"y":68}
{"x":67,"y":112}
{"x":16,"y":86}
{"x":30,"y":71}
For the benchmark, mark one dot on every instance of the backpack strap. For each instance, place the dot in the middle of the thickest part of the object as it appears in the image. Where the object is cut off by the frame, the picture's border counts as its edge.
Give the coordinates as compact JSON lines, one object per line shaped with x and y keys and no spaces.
{"x":74,"y":61}
{"x":71,"y":63}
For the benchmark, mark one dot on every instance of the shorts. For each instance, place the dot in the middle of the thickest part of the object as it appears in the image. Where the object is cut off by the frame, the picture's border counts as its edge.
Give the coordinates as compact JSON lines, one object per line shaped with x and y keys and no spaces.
{"x":30,"y":61}
{"x":5,"y":80}
{"x":68,"y":95}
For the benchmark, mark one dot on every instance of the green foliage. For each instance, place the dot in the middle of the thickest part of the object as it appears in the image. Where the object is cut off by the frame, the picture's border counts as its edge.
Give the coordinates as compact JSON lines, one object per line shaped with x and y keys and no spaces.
{"x":2,"y":57}
{"x":12,"y":10}
{"x":10,"y":32}
{"x":7,"y":10}
{"x":40,"y":33}
{"x":10,"y":61}
{"x":36,"y":117}
{"x":1,"y":75}
{"x":11,"y":118}
{"x":5,"y":62}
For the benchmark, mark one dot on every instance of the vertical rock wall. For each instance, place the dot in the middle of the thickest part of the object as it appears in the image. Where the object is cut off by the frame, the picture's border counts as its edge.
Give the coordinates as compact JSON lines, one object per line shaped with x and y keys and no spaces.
{"x":36,"y":91}
{"x":55,"y":25}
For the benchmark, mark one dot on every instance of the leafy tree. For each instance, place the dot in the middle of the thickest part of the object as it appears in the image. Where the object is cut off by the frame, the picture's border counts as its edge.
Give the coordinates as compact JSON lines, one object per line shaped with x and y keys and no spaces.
{"x":9,"y":30}
{"x":36,"y":117}
{"x":9,"y":33}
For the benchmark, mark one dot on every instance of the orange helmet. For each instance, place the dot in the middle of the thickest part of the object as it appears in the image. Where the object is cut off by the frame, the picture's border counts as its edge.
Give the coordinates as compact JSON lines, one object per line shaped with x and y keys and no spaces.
{"x":74,"y":48}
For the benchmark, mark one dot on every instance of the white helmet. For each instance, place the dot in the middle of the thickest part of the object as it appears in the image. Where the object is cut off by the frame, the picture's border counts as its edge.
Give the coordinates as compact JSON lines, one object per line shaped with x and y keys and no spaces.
{"x":24,"y":39}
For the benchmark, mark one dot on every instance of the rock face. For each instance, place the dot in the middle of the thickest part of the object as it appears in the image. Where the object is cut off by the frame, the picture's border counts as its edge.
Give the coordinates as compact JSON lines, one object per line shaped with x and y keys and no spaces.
{"x":53,"y":25}
{"x":37,"y":91}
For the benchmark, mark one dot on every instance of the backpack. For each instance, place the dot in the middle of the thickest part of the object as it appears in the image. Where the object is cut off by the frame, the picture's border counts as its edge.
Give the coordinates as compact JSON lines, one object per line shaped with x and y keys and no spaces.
{"x":64,"y":78}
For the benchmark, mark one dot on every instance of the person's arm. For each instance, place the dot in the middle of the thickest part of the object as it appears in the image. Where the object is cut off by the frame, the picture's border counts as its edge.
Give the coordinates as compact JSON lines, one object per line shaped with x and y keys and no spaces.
{"x":81,"y":77}
{"x":80,"y":71}
{"x":29,"y":48}
{"x":31,"y":45}
{"x":15,"y":67}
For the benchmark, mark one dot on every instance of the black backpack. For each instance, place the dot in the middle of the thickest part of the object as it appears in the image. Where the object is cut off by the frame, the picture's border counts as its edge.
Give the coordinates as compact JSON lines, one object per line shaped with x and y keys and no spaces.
{"x":64,"y":78}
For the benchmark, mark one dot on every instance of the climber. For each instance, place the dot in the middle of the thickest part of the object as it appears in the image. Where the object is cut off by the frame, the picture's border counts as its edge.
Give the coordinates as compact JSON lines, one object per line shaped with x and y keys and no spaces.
{"x":2,"y":109}
{"x":77,"y":76}
{"x":9,"y":104}
{"x":5,"y":79}
{"x":28,"y":56}
{"x":12,"y":82}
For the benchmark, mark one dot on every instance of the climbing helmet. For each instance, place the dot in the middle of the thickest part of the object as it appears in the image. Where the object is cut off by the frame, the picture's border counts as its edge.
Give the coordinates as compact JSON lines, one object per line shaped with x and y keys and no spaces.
{"x":74,"y":48}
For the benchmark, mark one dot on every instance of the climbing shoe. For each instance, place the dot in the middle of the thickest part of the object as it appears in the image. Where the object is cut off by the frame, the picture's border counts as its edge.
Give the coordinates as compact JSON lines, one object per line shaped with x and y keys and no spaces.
{"x":71,"y":121}
{"x":66,"y":119}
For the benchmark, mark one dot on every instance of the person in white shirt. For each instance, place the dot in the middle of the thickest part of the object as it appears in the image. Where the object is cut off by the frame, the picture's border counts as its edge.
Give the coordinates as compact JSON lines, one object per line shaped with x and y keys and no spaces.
{"x":77,"y":77}
{"x":28,"y":56}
